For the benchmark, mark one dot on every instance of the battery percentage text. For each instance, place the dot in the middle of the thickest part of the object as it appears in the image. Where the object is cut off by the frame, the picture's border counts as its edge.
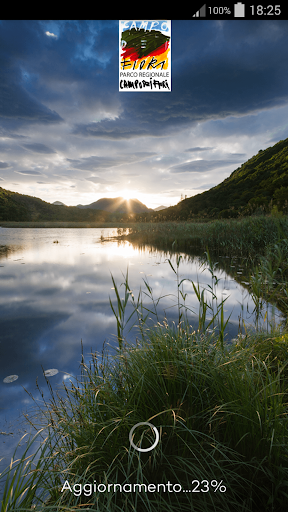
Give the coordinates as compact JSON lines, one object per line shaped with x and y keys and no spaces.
{"x":219,"y":10}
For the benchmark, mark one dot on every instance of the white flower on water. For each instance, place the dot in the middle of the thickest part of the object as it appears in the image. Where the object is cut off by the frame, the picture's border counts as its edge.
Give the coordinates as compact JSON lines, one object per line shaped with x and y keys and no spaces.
{"x":10,"y":378}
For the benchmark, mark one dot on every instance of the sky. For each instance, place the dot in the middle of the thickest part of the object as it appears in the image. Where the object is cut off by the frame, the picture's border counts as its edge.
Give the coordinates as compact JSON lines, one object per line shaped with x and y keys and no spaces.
{"x":68,"y":134}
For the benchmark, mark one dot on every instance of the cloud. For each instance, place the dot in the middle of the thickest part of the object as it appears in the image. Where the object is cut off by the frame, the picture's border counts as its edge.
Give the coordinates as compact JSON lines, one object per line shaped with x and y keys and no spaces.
{"x":101,"y":162}
{"x":9,"y":135}
{"x":39,"y":148}
{"x":4,"y":165}
{"x":68,"y":177}
{"x":201,"y":165}
{"x":205,"y":186}
{"x":236,"y":156}
{"x":96,"y":179}
{"x":30,"y":173}
{"x":50,"y":34}
{"x":17,"y":104}
{"x":94,"y":162}
{"x":198,"y":149}
{"x":129,"y":174}
{"x":120,"y":129}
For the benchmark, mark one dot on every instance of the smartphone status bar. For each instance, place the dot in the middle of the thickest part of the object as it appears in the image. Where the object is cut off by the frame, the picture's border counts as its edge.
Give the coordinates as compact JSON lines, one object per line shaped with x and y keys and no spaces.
{"x":239,"y":10}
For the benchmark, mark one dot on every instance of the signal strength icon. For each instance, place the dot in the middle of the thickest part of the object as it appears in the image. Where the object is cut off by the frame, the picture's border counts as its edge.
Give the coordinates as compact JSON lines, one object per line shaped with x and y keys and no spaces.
{"x":201,"y":13}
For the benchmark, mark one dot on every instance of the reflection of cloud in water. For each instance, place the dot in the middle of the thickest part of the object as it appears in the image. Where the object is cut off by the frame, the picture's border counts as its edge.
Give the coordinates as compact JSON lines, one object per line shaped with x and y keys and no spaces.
{"x":7,"y":277}
{"x":46,"y":292}
{"x":21,"y":328}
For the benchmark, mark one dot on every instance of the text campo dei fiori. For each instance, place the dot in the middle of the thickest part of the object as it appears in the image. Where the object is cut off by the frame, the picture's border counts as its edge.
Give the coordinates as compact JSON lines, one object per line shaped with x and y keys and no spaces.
{"x":145,"y":55}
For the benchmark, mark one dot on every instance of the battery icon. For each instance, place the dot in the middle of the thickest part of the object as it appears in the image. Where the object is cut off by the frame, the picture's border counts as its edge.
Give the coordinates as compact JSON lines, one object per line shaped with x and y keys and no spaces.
{"x":239,"y":10}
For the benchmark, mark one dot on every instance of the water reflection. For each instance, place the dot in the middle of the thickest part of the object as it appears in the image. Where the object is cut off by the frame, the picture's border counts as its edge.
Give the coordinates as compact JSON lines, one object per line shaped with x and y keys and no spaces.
{"x":53,"y":295}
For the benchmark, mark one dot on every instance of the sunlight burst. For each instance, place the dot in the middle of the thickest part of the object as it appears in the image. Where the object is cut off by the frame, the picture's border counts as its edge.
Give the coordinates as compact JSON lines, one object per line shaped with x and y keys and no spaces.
{"x":128,"y":194}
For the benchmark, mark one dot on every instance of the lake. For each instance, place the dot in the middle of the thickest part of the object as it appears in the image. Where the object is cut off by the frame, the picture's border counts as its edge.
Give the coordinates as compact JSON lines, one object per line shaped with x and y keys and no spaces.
{"x":55,"y":288}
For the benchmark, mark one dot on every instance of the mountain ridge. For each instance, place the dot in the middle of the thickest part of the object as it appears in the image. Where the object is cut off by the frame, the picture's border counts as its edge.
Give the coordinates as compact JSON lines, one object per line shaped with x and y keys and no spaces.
{"x":161,"y":207}
{"x":117,"y":205}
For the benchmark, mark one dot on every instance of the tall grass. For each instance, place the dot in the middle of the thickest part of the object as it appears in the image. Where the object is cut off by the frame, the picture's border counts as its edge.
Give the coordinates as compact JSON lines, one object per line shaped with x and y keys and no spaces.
{"x":272,"y":273}
{"x":21,"y":477}
{"x":220,"y":410}
{"x":247,"y":236}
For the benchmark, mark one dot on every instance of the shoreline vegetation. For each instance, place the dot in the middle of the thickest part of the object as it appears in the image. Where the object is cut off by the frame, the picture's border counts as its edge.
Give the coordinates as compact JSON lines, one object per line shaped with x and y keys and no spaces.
{"x":221,"y":408}
{"x":247,"y":236}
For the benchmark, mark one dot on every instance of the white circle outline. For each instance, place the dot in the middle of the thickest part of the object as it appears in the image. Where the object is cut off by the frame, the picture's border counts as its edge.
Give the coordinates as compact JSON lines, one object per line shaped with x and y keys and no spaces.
{"x":156,"y":435}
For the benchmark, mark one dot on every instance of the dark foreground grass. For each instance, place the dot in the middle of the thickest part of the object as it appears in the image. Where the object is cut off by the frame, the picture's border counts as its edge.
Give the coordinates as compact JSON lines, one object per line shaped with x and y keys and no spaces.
{"x":220,"y":410}
{"x":222,"y":416}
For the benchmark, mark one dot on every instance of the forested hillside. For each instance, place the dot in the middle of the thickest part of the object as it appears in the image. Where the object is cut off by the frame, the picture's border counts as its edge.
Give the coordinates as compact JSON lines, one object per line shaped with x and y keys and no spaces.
{"x":20,"y":207}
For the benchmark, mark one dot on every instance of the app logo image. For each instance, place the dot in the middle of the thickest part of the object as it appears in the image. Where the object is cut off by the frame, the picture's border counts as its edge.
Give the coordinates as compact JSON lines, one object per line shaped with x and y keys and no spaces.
{"x":145,"y":56}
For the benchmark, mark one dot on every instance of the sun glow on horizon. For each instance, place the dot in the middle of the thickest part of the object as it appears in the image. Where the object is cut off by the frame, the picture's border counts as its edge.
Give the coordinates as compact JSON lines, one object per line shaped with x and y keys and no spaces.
{"x":128,"y":194}
{"x":148,"y":200}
